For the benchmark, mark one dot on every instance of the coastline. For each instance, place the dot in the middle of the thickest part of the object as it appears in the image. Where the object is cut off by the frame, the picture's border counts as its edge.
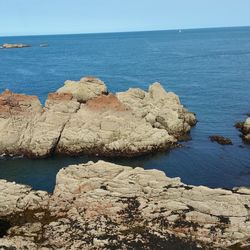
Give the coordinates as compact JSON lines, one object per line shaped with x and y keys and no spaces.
{"x":149,"y":150}
{"x":97,"y":201}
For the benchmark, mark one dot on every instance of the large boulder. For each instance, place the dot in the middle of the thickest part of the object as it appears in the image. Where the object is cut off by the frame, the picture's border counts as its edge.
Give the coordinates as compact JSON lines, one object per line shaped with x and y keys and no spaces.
{"x":107,"y":206}
{"x":83,"y":120}
{"x":85,"y":89}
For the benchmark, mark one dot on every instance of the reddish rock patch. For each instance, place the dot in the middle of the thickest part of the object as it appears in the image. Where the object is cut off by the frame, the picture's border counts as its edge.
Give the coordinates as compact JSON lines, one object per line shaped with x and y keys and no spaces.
{"x":17,"y":103}
{"x":60,"y":96}
{"x":9,"y":96}
{"x":106,"y":102}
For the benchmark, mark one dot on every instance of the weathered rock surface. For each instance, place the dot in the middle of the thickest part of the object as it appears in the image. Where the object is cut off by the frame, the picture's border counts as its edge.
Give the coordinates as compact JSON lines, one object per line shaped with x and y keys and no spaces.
{"x":14,"y":46}
{"x":104,"y":126}
{"x":244,"y":127}
{"x":107,"y":206}
{"x":85,"y":89}
{"x":161,"y":109}
{"x":26,"y":128}
{"x":81,"y":118}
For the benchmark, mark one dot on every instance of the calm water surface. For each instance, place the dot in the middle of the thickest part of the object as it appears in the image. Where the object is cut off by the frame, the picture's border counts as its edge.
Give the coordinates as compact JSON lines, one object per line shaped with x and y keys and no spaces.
{"x":209,"y":69}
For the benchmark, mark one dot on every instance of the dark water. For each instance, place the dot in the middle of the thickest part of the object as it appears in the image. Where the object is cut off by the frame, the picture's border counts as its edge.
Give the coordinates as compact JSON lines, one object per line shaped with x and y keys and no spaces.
{"x":209,"y":69}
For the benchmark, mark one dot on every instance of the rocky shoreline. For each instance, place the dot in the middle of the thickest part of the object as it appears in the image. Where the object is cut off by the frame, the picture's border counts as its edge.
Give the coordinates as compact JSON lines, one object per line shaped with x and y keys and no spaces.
{"x":107,"y":206}
{"x":83,"y":118}
{"x":103,"y":205}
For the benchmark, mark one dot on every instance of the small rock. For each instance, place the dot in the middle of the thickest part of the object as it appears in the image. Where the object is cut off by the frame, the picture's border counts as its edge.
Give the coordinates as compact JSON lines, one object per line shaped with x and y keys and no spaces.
{"x":14,"y":46}
{"x":244,"y":128}
{"x":220,"y":139}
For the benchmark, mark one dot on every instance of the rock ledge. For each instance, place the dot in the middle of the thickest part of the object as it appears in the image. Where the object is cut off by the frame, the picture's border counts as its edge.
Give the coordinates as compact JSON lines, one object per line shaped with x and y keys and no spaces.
{"x":107,"y":206}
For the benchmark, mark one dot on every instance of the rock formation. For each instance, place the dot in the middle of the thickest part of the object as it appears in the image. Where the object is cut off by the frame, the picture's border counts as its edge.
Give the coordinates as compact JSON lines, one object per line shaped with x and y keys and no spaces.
{"x":82,"y":118}
{"x":161,"y":109}
{"x":14,"y":46}
{"x":244,"y":127}
{"x":107,"y":206}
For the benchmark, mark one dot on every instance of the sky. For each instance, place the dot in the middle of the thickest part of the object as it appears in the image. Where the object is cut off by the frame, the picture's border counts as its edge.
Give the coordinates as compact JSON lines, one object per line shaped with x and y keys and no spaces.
{"x":35,"y":17}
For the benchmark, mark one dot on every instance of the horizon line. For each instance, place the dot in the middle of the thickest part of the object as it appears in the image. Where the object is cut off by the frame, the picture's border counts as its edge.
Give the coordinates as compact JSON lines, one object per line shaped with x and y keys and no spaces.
{"x":129,"y":31}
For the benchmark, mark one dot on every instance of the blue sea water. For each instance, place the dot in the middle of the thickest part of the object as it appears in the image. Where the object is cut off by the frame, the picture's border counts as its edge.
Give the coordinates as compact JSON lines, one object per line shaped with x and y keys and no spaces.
{"x":208,"y":68}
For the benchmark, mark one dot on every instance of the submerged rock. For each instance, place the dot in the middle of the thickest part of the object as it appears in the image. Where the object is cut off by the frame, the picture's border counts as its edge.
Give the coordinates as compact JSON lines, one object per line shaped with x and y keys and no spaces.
{"x":244,"y":127}
{"x":14,"y":46}
{"x":220,"y":139}
{"x":107,"y":206}
{"x":81,"y":118}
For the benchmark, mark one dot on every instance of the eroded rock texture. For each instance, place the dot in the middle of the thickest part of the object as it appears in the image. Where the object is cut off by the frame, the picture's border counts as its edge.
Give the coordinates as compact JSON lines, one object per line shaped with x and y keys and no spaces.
{"x":107,"y":206}
{"x":161,"y":109}
{"x":81,"y":118}
{"x":85,"y":89}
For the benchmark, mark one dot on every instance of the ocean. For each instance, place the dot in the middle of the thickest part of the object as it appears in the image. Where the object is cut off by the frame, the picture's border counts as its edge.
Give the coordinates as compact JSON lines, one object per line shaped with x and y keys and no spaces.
{"x":208,"y":68}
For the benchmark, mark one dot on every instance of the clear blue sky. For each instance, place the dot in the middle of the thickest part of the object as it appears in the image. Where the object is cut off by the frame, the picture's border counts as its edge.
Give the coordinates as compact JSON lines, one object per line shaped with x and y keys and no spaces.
{"x":25,"y":17}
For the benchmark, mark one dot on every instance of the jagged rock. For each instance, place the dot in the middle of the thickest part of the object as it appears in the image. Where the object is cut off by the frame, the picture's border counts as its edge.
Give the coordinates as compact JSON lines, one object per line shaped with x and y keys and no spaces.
{"x":126,"y":124}
{"x":159,"y":108}
{"x":244,"y":127}
{"x":14,"y":46}
{"x":85,"y":89}
{"x":221,"y":140}
{"x":107,"y":206}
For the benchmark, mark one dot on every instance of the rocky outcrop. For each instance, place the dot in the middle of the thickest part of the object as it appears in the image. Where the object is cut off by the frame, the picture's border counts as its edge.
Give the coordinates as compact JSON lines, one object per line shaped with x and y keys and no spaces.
{"x":81,"y":118}
{"x":107,"y":206}
{"x":244,"y":127}
{"x":14,"y":46}
{"x":161,"y":109}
